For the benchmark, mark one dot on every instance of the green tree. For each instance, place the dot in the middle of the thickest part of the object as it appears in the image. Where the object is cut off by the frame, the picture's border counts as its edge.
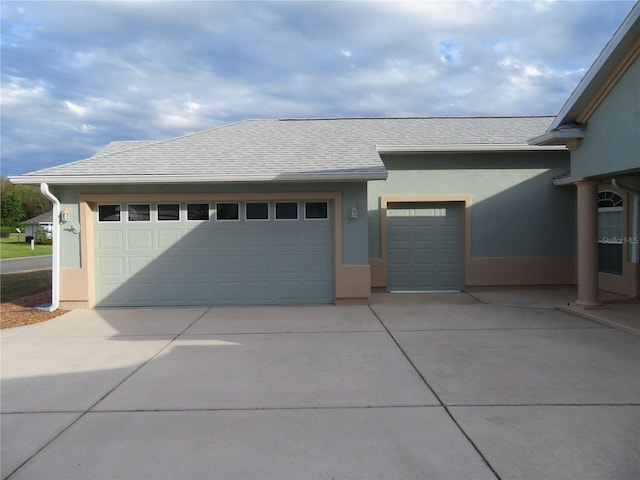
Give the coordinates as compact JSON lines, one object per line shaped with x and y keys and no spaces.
{"x":11,"y":210}
{"x":32,"y":201}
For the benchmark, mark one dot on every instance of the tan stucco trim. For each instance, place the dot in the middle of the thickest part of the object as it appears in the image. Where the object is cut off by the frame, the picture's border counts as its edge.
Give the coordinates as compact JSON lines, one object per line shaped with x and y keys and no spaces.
{"x":345,"y":278}
{"x":379,"y":266}
{"x":610,"y":82}
{"x":73,"y":286}
{"x":495,"y":271}
{"x":378,"y":272}
{"x":86,"y":253}
{"x":353,"y":282}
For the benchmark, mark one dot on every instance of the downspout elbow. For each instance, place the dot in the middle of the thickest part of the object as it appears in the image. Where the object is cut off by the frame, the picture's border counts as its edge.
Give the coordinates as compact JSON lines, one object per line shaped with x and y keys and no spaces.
{"x":55,"y":257}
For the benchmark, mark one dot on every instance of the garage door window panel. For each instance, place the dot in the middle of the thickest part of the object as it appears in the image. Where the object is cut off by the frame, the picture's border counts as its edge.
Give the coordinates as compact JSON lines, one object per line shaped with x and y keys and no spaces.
{"x":168,"y":212}
{"x":316,"y":210}
{"x":256,"y":211}
{"x":227,"y":211}
{"x":139,"y":212}
{"x":286,"y":210}
{"x":197,"y":211}
{"x":109,"y":213}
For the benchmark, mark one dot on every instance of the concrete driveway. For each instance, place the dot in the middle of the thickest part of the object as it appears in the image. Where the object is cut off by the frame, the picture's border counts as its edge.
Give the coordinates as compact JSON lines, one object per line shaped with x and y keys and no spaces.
{"x":412,"y":387}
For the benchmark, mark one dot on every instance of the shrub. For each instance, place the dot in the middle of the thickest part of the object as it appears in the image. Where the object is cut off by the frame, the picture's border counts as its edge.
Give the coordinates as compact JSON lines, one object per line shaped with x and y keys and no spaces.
{"x":41,"y":237}
{"x":5,"y":232}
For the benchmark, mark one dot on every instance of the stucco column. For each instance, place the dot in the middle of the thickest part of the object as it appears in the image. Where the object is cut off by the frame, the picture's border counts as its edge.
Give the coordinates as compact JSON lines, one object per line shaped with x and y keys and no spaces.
{"x":587,"y":244}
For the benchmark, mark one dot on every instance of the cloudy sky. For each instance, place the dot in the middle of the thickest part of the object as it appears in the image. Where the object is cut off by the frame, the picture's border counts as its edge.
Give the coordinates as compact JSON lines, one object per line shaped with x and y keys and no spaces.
{"x":77,"y":75}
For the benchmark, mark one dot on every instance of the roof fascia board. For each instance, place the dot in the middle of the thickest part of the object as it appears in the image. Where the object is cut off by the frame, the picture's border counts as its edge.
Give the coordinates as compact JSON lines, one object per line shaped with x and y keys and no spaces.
{"x":563,"y":182}
{"x":172,"y":179}
{"x":557,"y":137}
{"x":465,"y":148}
{"x":610,"y":83}
{"x":596,"y":68}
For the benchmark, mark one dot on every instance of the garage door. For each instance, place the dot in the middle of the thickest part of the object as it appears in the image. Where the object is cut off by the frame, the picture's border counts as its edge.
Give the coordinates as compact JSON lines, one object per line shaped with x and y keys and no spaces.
{"x":214,"y":253}
{"x":424,"y":246}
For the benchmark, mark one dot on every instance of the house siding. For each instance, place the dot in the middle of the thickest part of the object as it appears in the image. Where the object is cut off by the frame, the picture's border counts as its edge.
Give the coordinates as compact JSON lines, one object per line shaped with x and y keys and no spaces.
{"x":612,"y":135}
{"x":516,"y":215}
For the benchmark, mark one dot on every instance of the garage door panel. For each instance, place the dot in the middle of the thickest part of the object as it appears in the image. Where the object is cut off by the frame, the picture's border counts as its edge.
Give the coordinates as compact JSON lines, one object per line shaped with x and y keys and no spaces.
{"x":110,"y":240}
{"x":259,"y":264}
{"x":140,"y":239}
{"x":111,"y":266}
{"x":166,"y":238}
{"x":258,"y":292}
{"x":137,"y":265}
{"x":316,"y":263}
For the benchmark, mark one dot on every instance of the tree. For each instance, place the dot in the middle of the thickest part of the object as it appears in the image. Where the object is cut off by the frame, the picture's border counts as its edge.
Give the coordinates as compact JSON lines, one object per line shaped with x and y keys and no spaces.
{"x":31,"y":199}
{"x":11,"y":210}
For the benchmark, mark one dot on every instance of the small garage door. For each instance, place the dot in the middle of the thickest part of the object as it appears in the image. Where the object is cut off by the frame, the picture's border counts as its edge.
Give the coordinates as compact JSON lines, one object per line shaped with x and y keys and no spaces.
{"x":220,"y":253}
{"x":424,"y":246}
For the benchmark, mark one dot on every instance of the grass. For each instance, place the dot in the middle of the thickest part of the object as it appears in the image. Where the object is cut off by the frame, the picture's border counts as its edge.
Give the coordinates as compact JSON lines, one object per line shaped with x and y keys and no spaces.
{"x":13,"y":247}
{"x":21,"y":284}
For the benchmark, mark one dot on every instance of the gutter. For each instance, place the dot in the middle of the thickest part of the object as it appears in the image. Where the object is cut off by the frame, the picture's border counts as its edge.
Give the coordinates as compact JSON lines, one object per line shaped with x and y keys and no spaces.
{"x":55,"y":268}
{"x":378,"y":174}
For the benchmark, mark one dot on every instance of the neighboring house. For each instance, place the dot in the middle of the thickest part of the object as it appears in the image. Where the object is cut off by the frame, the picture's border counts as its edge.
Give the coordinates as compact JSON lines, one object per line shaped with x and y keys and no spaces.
{"x":600,"y":124}
{"x":44,"y":221}
{"x":323,"y":210}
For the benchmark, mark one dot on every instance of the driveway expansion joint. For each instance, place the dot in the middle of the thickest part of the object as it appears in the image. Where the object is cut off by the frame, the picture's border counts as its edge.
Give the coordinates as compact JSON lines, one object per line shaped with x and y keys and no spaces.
{"x":85,"y":412}
{"x":444,"y":406}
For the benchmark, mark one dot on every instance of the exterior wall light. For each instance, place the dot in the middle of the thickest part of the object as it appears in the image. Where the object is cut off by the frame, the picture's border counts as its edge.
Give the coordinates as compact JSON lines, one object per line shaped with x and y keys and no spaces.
{"x":354,"y":212}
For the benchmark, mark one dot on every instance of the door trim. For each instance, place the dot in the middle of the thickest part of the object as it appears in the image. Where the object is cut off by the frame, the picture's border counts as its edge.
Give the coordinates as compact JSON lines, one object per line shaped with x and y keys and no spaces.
{"x":466,"y":226}
{"x":88,"y":202}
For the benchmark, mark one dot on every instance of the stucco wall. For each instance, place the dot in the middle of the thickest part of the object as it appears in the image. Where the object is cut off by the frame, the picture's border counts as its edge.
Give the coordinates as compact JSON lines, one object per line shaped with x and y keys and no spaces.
{"x":354,"y":231}
{"x":515,"y":209}
{"x":612,"y":134}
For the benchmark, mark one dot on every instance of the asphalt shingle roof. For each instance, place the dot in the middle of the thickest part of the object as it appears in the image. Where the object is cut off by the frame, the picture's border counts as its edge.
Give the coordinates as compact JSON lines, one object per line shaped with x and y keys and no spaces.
{"x":293,"y":148}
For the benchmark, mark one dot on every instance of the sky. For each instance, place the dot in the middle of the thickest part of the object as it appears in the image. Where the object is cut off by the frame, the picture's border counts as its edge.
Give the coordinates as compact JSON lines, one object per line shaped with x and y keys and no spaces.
{"x":77,"y":75}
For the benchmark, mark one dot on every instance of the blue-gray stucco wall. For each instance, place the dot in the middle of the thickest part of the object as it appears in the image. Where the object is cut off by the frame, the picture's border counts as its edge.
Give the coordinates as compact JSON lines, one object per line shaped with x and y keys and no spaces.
{"x":516,"y":211}
{"x":354,"y":231}
{"x":612,"y":134}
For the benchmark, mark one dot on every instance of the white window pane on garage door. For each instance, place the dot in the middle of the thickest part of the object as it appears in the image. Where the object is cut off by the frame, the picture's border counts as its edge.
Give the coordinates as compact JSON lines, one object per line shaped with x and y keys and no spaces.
{"x":424,"y":246}
{"x":214,"y":262}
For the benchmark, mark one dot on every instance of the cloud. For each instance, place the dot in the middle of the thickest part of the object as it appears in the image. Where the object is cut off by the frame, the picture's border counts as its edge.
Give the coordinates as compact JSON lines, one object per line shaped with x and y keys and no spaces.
{"x":78,"y":75}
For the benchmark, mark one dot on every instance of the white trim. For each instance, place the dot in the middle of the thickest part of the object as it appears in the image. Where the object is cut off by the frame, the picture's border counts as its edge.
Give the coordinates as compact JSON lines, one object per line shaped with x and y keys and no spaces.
{"x":466,"y":148}
{"x":173,"y":179}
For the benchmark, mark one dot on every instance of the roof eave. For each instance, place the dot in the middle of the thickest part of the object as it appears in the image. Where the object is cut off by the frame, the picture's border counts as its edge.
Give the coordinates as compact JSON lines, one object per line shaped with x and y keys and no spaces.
{"x":192,"y":179}
{"x":466,"y":148}
{"x":559,"y":136}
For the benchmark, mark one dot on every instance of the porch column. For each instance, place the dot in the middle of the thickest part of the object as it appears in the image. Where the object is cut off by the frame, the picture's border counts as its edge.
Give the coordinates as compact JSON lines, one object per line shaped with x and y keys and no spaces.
{"x":587,"y":244}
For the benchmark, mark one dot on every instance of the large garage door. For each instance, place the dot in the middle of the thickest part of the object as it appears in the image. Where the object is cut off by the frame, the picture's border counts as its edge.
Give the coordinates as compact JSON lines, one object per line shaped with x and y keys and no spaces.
{"x":214,"y":253}
{"x":424,"y":246}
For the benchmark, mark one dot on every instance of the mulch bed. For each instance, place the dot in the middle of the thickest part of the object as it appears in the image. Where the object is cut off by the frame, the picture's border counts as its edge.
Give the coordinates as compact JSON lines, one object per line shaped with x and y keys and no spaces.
{"x":20,"y":311}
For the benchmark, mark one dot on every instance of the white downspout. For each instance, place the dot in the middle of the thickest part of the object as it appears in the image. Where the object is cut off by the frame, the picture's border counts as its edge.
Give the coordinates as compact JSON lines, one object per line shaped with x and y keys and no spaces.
{"x":55,"y":267}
